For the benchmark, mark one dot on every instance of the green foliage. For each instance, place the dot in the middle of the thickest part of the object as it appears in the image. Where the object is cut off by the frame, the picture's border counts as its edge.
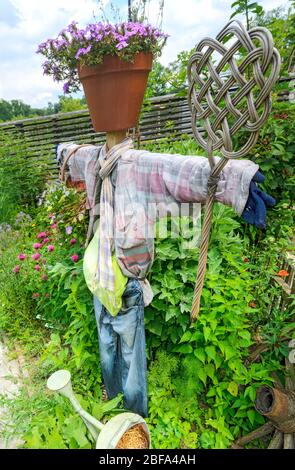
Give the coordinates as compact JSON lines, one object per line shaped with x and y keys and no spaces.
{"x":17,"y":109}
{"x":201,"y":384}
{"x":68,"y":104}
{"x":281,"y":23}
{"x":46,"y":421}
{"x":157,"y":82}
{"x":246,"y":7}
{"x":20,"y":178}
{"x":170,"y":79}
{"x":275,"y":150}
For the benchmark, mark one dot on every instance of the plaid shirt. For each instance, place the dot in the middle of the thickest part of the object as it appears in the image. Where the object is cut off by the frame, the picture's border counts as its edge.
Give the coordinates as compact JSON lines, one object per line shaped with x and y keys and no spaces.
{"x":148,"y":185}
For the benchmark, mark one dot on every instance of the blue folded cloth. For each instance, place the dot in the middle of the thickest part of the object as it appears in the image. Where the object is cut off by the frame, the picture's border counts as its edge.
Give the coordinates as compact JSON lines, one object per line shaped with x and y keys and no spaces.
{"x":255,"y":209}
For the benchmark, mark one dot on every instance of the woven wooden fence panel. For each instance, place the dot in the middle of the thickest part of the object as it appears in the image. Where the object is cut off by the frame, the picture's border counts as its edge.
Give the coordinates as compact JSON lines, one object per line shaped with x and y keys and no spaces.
{"x":163,"y":117}
{"x":166,"y":117}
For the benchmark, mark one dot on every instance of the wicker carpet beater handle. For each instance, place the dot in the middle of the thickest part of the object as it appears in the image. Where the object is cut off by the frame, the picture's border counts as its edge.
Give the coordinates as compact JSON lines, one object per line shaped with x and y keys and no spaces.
{"x":230,"y":83}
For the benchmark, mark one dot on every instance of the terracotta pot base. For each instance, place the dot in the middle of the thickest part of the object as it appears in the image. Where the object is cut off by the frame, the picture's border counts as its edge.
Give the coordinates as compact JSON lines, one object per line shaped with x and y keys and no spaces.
{"x":114,"y":91}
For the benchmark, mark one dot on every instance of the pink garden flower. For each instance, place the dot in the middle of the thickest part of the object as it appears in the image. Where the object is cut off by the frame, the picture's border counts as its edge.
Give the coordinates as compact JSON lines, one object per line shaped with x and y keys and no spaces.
{"x":53,"y":225}
{"x":37,"y":246}
{"x":46,"y":240}
{"x":50,"y":247}
{"x":51,"y":216}
{"x":37,"y":267}
{"x":16,"y":269}
{"x":36,"y":256}
{"x":44,"y":277}
{"x":35,"y":295}
{"x":41,"y":235}
{"x":73,"y":241}
{"x":21,"y":256}
{"x":75,"y":258}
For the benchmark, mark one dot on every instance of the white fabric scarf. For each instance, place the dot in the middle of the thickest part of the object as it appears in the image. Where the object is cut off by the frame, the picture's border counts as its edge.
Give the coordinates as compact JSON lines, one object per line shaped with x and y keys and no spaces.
{"x":108,"y":160}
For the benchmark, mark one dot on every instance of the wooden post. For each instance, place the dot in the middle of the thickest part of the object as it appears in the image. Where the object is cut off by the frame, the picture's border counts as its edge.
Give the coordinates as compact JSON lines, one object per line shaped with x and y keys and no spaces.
{"x":114,"y":138}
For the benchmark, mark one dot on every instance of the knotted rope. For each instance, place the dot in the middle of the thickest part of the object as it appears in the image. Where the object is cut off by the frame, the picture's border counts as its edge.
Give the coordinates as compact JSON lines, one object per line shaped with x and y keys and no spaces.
{"x":222,"y":113}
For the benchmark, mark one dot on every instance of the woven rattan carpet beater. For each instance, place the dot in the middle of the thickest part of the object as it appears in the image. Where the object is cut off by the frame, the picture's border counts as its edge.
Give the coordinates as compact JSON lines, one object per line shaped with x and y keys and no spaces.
{"x":230,"y":83}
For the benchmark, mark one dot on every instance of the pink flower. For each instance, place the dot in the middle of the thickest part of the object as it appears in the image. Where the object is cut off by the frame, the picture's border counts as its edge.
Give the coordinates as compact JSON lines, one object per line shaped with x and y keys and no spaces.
{"x":16,"y":269}
{"x":75,"y":258}
{"x":51,"y":216}
{"x":46,"y":240}
{"x":37,"y":267}
{"x":44,"y":277}
{"x":41,"y":235}
{"x":21,"y":256}
{"x":73,"y":241}
{"x":50,"y":247}
{"x":47,"y":295}
{"x":36,"y":256}
{"x":37,"y":246}
{"x":54,"y":225}
{"x":36,"y":295}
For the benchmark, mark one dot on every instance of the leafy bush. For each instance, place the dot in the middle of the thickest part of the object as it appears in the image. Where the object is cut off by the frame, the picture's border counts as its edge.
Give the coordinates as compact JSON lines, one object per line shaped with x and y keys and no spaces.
{"x":21,"y":180}
{"x":201,"y":383}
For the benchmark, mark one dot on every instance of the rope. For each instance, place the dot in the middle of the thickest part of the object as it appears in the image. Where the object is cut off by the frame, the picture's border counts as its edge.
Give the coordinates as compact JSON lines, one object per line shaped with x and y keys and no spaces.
{"x":223,"y":114}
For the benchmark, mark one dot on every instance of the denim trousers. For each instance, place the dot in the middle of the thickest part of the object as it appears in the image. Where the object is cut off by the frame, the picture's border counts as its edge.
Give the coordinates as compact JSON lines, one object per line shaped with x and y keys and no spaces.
{"x":122,"y":349}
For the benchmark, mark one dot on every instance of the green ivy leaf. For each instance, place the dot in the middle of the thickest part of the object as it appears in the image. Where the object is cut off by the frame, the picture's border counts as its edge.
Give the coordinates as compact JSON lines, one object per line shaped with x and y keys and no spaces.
{"x":200,"y":354}
{"x":233,"y":389}
{"x":251,"y":415}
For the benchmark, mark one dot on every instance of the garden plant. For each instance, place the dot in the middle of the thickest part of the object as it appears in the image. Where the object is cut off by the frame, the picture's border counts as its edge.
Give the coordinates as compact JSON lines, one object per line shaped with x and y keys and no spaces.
{"x":202,"y":378}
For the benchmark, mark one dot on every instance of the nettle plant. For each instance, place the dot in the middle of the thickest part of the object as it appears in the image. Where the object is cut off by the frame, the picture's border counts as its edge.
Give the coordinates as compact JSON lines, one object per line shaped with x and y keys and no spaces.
{"x":88,"y":46}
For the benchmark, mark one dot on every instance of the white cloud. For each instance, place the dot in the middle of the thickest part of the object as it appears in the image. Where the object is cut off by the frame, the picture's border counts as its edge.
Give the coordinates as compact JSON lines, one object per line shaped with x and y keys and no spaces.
{"x":187,"y":21}
{"x":21,"y":71}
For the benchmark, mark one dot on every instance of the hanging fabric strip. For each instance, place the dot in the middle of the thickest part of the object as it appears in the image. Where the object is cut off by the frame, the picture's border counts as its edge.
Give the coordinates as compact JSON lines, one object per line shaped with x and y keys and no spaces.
{"x":108,"y":160}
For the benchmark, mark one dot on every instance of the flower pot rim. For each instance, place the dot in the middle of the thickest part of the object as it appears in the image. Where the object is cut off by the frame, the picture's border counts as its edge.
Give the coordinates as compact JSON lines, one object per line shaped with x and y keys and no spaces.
{"x":109,"y":58}
{"x":115,"y":64}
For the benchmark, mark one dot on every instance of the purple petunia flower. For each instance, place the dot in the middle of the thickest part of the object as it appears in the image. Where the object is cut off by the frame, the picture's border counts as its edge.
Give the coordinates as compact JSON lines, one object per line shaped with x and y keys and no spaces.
{"x":83,"y":51}
{"x":94,"y":42}
{"x":66,"y":87}
{"x":69,"y":230}
{"x":121,"y":45}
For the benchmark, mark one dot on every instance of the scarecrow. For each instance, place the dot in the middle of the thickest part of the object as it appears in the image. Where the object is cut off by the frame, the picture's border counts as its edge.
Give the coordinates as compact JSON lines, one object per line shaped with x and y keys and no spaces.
{"x":128,"y":190}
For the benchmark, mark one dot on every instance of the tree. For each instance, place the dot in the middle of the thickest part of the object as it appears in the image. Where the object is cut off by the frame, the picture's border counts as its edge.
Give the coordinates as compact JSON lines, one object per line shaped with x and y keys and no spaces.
{"x":68,"y":104}
{"x":245,"y":7}
{"x":281,"y":24}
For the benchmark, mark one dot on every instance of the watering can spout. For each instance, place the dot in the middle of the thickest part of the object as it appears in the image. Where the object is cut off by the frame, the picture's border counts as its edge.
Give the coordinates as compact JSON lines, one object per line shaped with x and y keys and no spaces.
{"x":60,"y":382}
{"x":106,"y":435}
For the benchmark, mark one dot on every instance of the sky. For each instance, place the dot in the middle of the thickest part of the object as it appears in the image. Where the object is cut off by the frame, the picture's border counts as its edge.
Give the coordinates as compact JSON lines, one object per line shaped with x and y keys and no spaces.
{"x":26,"y":23}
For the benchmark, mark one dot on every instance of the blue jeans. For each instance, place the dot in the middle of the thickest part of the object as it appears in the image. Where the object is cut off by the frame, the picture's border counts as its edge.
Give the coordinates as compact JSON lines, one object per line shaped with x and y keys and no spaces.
{"x":122,"y":349}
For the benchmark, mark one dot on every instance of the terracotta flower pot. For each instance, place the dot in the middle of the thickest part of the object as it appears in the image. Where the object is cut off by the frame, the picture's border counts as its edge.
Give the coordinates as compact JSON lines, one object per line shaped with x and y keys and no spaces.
{"x":114,"y":91}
